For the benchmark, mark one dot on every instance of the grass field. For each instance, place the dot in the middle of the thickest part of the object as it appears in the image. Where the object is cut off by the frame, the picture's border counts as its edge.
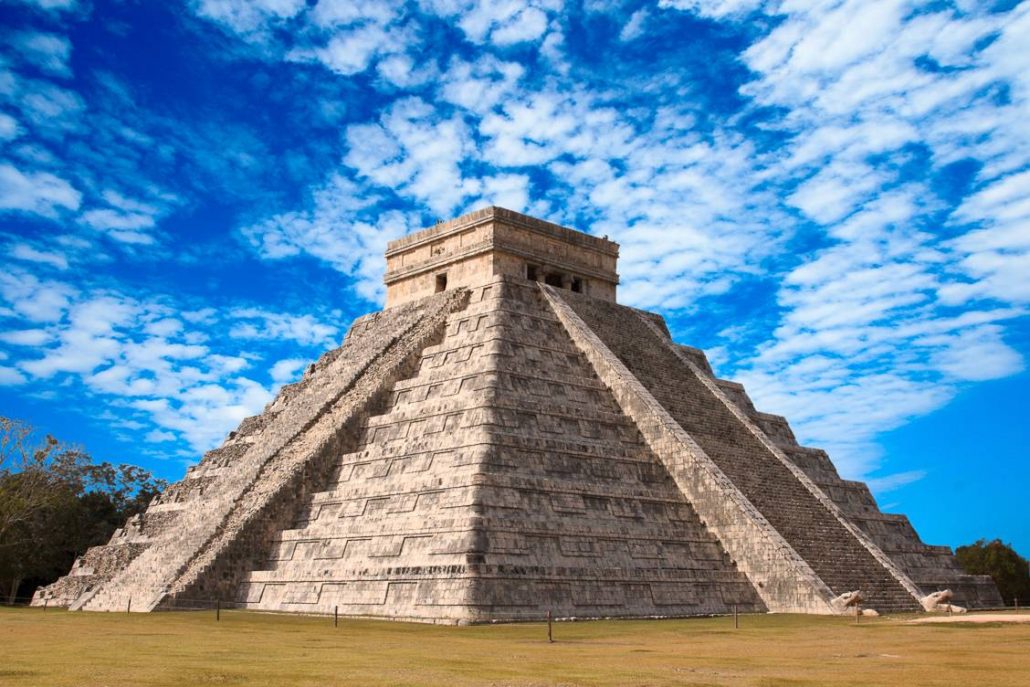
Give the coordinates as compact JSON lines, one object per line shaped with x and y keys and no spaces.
{"x":58,"y":648}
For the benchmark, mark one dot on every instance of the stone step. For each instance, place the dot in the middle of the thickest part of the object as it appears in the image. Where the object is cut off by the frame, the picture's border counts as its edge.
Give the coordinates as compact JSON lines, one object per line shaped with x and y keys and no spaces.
{"x":839,"y":559}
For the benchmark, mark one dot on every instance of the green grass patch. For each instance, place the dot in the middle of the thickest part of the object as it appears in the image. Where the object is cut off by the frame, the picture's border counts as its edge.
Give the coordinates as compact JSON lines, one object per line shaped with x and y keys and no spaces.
{"x":80,"y":649}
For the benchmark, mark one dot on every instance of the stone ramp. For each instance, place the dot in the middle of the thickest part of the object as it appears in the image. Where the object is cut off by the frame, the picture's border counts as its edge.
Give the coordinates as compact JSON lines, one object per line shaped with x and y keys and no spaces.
{"x":580,"y":516}
{"x":832,"y":550}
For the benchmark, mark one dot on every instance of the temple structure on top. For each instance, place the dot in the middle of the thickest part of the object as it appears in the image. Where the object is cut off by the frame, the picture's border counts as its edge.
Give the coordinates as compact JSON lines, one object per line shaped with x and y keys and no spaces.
{"x":492,"y":242}
{"x":505,"y":440}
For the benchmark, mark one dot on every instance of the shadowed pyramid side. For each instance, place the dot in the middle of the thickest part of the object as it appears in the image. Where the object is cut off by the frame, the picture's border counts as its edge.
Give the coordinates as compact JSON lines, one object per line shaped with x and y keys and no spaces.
{"x":931,"y":568}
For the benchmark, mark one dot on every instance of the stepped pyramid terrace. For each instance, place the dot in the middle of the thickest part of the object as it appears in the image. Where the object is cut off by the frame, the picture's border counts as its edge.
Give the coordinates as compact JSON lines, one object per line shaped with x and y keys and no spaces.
{"x":502,"y":440}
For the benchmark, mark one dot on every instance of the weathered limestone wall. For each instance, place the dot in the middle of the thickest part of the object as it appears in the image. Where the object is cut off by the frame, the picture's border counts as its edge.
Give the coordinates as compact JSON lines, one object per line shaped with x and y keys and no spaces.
{"x":785,"y":581}
{"x":580,"y":516}
{"x":840,"y":554}
{"x":476,"y":247}
{"x":465,"y":273}
{"x":501,"y":482}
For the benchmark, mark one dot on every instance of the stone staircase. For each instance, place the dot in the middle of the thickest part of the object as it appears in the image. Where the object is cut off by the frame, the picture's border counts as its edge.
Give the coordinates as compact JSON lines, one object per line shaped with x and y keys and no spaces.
{"x":832,"y":550}
{"x":498,"y":482}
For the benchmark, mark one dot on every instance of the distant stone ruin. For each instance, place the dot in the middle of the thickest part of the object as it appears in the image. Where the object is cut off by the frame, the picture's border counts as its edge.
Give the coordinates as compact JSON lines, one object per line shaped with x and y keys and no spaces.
{"x":505,"y":440}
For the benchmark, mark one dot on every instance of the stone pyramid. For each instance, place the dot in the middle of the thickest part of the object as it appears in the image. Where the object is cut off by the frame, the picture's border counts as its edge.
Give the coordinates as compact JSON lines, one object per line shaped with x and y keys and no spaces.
{"x":504,"y":440}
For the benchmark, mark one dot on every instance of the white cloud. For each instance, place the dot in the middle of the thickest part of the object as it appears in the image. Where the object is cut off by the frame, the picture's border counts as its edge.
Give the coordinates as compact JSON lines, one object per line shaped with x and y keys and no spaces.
{"x":9,"y":127}
{"x":171,"y":370}
{"x":333,"y":14}
{"x":248,"y":16}
{"x":39,"y":193}
{"x":502,"y":22}
{"x":888,"y":483}
{"x":46,"y":107}
{"x":52,"y":5}
{"x":163,"y":327}
{"x":26,"y":337}
{"x":47,"y":51}
{"x":33,"y":299}
{"x":252,"y":323}
{"x":332,"y":231}
{"x":529,"y":24}
{"x":124,"y":219}
{"x":414,"y":150}
{"x":478,"y":86}
{"x":23,"y":251}
{"x":634,"y":27}
{"x":713,"y":8}
{"x":157,"y":436}
{"x":996,"y":256}
{"x":351,"y":52}
{"x":11,"y":377}
{"x":402,"y":71}
{"x":505,"y":190}
{"x":979,"y":354}
{"x":124,"y":227}
{"x":286,"y":370}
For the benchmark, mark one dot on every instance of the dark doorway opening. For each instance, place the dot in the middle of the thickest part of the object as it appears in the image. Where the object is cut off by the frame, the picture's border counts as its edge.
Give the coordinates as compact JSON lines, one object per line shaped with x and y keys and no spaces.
{"x":553,"y":280}
{"x":531,"y":274}
{"x":577,"y":285}
{"x":441,"y":282}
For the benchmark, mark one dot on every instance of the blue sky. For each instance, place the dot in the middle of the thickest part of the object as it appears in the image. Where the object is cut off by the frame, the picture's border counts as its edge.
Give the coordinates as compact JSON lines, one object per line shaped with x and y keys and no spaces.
{"x":832,"y":198}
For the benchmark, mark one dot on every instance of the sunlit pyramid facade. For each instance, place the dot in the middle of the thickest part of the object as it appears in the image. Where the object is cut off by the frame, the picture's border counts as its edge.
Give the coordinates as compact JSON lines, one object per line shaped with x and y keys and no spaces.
{"x":502,"y":440}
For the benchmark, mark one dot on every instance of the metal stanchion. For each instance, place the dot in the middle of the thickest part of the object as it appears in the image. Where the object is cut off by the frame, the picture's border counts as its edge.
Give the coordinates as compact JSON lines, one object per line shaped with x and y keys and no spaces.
{"x":736,"y":620}
{"x":550,"y":637}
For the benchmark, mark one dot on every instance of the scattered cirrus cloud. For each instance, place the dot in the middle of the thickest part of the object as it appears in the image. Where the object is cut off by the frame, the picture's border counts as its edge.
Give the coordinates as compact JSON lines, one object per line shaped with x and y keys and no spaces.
{"x":846,"y":179}
{"x":183,"y":377}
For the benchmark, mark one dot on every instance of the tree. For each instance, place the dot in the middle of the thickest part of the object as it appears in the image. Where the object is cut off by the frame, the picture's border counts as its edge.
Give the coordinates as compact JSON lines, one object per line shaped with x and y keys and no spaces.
{"x":1010,"y":571}
{"x":55,"y":502}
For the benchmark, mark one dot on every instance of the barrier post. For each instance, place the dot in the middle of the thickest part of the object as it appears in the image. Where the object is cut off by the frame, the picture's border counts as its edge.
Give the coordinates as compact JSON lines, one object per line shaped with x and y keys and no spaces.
{"x":550,"y":637}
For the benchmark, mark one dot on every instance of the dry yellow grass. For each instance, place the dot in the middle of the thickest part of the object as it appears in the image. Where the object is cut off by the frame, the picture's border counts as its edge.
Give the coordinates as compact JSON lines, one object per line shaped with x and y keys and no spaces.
{"x":59,"y":648}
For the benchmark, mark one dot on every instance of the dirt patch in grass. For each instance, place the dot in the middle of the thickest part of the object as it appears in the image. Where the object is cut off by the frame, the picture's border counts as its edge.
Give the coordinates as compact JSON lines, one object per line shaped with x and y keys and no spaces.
{"x":81,"y":649}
